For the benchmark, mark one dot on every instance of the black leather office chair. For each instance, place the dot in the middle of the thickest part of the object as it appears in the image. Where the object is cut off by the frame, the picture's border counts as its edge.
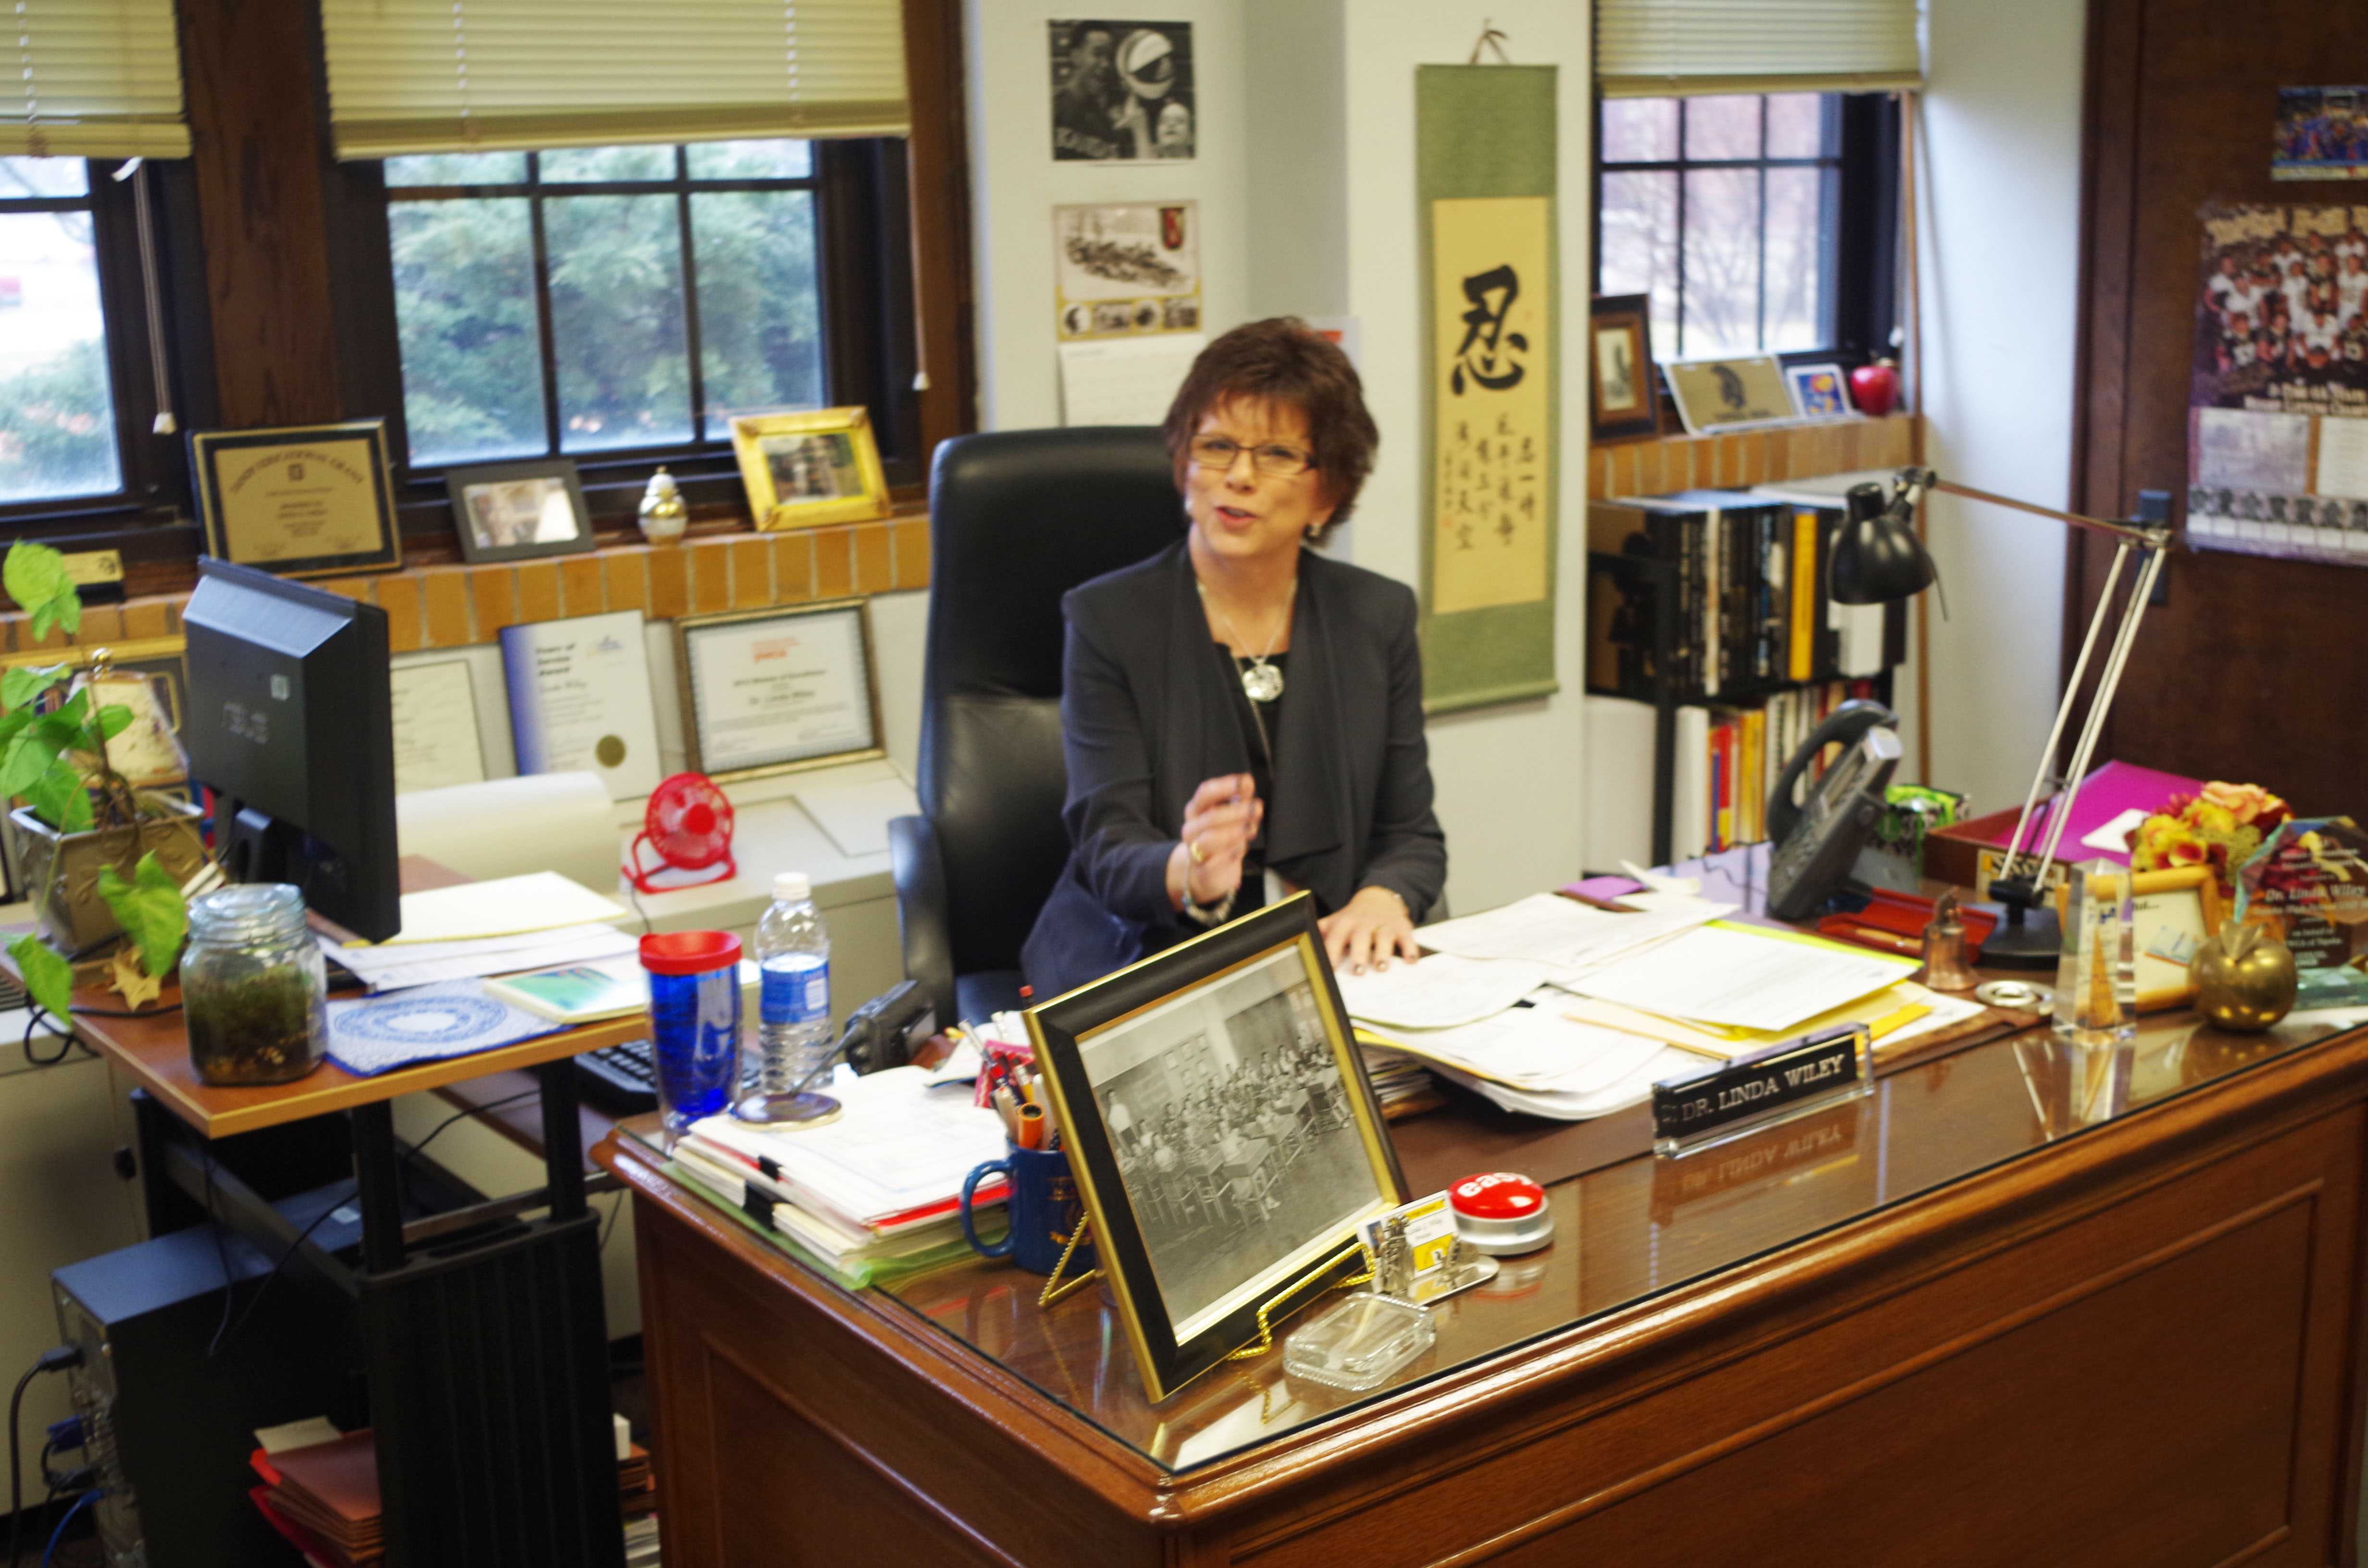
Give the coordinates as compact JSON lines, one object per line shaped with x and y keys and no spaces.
{"x":1017,"y":518}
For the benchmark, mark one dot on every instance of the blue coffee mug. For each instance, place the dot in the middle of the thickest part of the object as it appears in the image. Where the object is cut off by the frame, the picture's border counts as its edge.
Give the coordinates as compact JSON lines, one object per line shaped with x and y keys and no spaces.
{"x":1043,"y":1208}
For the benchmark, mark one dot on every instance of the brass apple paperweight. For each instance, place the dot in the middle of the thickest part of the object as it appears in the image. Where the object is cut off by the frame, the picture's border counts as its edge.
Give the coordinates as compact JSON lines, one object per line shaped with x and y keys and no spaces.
{"x":2243,"y":977}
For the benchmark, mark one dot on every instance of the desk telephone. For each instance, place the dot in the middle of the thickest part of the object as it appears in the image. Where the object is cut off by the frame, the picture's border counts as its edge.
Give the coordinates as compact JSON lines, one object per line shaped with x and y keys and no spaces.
{"x":1816,"y":842}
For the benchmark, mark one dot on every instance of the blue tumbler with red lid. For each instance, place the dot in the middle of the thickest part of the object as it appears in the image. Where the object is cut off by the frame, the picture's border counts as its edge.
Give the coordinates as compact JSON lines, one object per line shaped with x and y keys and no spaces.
{"x":694,"y":1022}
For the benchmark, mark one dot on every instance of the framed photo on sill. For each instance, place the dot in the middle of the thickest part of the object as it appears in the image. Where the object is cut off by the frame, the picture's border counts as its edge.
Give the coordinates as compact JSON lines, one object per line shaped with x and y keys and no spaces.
{"x":144,"y":675}
{"x":805,"y":469}
{"x":517,"y":511}
{"x":1730,"y":395}
{"x":1821,"y":391}
{"x":299,"y":500}
{"x":1623,"y":385}
{"x":1223,"y":1132}
{"x":767,"y":692}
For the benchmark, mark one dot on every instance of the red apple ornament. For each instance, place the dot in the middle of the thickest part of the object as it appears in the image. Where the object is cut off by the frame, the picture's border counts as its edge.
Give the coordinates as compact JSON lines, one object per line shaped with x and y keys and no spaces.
{"x":1875,"y":388}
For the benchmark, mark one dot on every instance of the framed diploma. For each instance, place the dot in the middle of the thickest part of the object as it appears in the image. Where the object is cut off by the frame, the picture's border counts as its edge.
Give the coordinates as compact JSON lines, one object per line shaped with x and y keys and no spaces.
{"x":771,"y":690}
{"x":580,"y":699}
{"x":302,"y":501}
{"x":435,"y":739}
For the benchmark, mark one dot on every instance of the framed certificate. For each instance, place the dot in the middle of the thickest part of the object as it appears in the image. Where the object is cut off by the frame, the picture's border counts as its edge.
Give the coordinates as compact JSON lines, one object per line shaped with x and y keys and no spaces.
{"x":302,"y":501}
{"x":771,"y":690}
{"x":435,"y":739}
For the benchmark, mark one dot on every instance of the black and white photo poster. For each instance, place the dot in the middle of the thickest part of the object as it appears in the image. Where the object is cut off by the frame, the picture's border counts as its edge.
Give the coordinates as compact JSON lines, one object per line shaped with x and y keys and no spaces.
{"x":1122,"y":90}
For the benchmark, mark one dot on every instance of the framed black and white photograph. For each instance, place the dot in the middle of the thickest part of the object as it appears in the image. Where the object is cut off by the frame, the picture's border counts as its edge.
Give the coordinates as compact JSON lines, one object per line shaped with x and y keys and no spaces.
{"x":514,"y":511}
{"x":1121,"y":91}
{"x":1624,"y":387}
{"x":769,"y":691}
{"x":1224,"y":1133}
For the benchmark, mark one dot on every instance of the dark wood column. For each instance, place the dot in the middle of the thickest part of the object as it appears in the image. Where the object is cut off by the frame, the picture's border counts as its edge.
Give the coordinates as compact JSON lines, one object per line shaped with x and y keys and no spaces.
{"x":257,"y":121}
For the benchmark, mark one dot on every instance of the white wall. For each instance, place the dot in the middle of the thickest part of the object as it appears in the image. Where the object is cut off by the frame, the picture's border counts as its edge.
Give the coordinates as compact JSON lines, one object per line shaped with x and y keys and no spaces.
{"x":1306,"y":183}
{"x":1999,"y":190}
{"x":1015,"y":184}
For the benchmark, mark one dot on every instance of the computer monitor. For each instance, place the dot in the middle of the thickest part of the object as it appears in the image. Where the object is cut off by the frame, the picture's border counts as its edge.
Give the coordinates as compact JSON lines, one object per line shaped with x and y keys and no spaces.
{"x":290,"y":724}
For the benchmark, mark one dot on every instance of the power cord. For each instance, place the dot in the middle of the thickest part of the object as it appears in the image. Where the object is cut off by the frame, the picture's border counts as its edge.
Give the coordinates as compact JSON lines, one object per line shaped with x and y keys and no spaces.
{"x":55,"y":1359}
{"x":50,"y":1555}
{"x":277,"y":1267}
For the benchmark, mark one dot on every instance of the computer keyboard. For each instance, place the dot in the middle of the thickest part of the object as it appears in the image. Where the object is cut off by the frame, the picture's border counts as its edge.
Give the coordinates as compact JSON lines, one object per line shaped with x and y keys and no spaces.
{"x":622,"y":1079}
{"x":619,"y":1079}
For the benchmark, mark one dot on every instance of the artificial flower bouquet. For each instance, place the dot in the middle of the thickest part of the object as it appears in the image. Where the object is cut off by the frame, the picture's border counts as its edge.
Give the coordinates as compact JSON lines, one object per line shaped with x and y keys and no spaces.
{"x":2221,"y":826}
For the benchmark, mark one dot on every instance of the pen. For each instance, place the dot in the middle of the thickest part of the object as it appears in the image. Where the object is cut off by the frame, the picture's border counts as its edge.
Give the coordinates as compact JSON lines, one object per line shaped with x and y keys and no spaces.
{"x":1008,"y":1109}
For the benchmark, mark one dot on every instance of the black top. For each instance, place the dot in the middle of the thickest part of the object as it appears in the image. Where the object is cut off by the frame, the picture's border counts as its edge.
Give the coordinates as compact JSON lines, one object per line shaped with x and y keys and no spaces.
{"x":1150,"y":707}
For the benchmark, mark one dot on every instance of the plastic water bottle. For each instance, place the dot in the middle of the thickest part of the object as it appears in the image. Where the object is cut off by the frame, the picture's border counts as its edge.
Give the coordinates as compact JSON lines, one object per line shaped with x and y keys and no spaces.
{"x":793,"y":1037}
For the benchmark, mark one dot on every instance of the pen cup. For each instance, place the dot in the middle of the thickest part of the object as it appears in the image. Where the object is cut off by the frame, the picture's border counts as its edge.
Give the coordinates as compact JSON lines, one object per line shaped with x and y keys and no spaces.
{"x":694,"y":1022}
{"x":1043,"y":1210}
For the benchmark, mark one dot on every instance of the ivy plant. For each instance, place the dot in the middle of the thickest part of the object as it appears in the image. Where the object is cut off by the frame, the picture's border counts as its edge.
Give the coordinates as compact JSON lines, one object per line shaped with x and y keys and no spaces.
{"x":57,"y":762}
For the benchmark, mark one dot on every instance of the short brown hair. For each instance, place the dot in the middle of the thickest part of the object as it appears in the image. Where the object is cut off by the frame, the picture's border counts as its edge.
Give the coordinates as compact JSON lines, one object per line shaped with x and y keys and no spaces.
{"x":1285,"y":359}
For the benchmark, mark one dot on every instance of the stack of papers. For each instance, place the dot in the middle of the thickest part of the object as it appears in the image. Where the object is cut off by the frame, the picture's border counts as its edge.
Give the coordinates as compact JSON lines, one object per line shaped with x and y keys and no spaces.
{"x":877,"y":1189}
{"x":1565,"y":937}
{"x":1535,"y":1058}
{"x":495,"y":927}
{"x":1745,"y":977}
{"x":593,"y":993}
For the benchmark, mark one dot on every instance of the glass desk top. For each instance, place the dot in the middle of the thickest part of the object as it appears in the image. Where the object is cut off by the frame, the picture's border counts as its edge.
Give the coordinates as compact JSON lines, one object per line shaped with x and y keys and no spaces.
{"x":1624,"y":1232}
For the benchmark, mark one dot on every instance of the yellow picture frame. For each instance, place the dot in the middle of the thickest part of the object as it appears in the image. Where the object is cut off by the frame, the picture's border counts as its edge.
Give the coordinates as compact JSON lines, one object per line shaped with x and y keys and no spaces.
{"x":2173,"y":910}
{"x":808,"y":469}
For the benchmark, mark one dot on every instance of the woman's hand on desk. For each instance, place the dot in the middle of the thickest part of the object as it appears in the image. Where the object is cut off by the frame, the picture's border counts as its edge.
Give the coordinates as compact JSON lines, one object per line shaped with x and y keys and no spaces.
{"x":1371,"y":928}
{"x":1219,"y":823}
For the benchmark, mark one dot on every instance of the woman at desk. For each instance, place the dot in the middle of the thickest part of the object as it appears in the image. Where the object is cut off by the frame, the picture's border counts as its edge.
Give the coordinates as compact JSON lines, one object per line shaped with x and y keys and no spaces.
{"x":1244,"y":715}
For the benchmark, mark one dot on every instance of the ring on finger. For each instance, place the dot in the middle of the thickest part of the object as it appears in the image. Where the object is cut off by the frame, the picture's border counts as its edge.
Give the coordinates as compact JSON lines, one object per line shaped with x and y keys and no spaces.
{"x":1192,"y":847}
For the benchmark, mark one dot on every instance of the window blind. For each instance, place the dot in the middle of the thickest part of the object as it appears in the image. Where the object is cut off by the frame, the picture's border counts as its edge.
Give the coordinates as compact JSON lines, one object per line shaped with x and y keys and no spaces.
{"x":1660,"y":48}
{"x":90,"y":79}
{"x":487,"y":76}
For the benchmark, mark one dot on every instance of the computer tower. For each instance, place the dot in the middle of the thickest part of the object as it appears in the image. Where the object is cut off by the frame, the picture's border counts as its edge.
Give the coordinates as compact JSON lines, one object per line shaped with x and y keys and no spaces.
{"x":170,"y":1414}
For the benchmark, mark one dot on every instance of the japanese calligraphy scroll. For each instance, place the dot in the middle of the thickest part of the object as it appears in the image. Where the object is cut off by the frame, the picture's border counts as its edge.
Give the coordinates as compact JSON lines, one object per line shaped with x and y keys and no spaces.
{"x":1485,"y":188}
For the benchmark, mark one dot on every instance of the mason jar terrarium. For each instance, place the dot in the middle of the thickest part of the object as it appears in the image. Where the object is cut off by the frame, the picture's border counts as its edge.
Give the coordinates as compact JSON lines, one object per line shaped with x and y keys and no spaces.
{"x":253,"y":986}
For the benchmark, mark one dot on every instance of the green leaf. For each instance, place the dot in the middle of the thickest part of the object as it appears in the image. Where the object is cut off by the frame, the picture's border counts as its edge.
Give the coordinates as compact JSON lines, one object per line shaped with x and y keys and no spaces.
{"x":22,"y":683}
{"x":16,"y":722}
{"x":27,"y":758}
{"x":49,"y":979}
{"x":35,"y":576}
{"x":59,"y":798}
{"x":113,"y":720}
{"x":151,"y":911}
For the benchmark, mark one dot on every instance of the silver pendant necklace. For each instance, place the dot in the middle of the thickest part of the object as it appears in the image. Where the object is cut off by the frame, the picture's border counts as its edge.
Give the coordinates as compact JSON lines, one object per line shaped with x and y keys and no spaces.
{"x":1261,"y":682}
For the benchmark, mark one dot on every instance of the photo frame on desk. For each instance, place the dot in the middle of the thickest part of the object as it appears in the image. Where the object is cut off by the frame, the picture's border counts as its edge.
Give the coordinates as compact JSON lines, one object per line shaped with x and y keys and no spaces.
{"x":1623,"y":384}
{"x":767,"y":692}
{"x":2174,"y":912}
{"x":1222,"y":1129}
{"x":811,"y":468}
{"x":299,"y":500}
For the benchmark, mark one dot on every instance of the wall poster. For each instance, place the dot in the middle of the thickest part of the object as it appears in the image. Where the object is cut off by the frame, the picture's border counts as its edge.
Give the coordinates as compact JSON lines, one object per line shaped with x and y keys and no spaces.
{"x":1125,"y":267}
{"x":1486,"y":190}
{"x":2278,"y":402}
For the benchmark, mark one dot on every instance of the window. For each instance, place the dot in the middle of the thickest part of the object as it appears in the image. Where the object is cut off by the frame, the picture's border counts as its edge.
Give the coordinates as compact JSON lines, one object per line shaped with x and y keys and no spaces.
{"x":57,"y":399}
{"x":621,"y":305}
{"x":1756,"y":222}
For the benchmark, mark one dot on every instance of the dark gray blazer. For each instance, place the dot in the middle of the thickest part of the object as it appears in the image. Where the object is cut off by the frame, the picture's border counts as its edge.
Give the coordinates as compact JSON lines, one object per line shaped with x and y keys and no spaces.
{"x":1146,"y":719}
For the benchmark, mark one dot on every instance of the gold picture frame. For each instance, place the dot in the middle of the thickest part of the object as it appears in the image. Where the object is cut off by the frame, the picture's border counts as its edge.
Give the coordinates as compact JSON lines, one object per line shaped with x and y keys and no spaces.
{"x":298,"y":500}
{"x":804,"y":470}
{"x":723,"y":637}
{"x":1246,"y":1114}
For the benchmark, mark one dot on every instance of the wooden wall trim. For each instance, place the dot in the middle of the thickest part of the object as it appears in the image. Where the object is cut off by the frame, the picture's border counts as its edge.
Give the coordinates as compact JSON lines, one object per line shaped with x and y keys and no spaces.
{"x":1664,"y":463}
{"x":248,"y":69}
{"x":939,"y":190}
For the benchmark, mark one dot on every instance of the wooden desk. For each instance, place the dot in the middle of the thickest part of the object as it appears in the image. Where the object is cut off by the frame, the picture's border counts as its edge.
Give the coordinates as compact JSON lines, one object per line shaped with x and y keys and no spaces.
{"x":2016,"y":1308}
{"x":484,"y":1333}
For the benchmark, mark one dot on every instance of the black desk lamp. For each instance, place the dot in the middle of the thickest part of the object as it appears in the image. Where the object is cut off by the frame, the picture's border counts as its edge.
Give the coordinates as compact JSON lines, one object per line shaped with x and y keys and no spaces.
{"x":1877,"y":558}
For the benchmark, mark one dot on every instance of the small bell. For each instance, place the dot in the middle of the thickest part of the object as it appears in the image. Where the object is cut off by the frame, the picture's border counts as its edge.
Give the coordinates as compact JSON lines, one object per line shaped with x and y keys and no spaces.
{"x":664,"y":515}
{"x":1944,"y":950}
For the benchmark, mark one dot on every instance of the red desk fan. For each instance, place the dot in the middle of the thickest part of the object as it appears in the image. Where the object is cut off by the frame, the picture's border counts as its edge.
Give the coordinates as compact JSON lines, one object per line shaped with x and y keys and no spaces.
{"x":688,"y":824}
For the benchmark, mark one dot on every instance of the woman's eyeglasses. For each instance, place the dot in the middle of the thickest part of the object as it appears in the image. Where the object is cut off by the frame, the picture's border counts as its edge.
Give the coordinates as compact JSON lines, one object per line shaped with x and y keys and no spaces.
{"x":1274,"y":460}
